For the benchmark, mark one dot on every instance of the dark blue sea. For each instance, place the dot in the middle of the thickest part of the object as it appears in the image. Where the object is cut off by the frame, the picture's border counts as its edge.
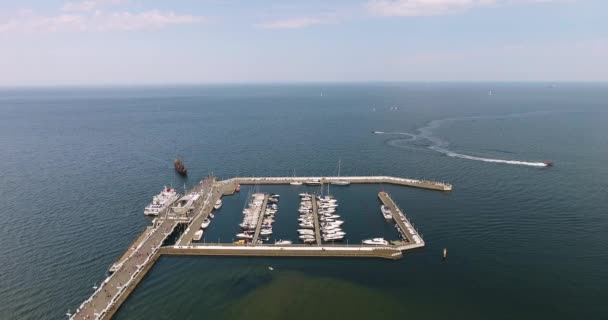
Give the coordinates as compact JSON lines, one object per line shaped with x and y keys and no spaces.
{"x":78,"y":165}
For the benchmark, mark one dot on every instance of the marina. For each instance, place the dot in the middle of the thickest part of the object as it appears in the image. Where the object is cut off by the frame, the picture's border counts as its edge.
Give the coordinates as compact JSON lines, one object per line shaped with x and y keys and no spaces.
{"x":193,"y":213}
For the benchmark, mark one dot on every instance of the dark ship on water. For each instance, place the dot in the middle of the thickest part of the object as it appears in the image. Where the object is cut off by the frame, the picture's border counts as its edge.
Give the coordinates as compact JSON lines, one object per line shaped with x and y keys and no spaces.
{"x":180,"y":167}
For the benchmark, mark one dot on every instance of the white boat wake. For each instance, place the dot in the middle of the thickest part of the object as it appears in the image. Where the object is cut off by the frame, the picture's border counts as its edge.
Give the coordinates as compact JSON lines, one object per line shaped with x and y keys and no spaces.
{"x":439,"y":145}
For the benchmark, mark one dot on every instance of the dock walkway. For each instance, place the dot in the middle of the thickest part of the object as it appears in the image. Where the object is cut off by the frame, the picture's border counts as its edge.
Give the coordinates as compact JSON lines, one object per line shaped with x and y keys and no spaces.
{"x":414,"y":240}
{"x":258,"y":227}
{"x":286,"y":251}
{"x":110,"y":293}
{"x":315,"y":215}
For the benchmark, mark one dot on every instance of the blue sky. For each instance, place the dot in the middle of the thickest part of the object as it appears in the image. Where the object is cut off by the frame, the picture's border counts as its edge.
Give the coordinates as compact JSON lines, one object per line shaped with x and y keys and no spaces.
{"x":92,"y":42}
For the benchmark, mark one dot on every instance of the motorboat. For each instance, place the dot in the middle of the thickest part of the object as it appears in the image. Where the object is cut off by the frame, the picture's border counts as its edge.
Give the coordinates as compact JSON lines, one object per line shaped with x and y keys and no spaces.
{"x":375,"y":241}
{"x":161,"y":201}
{"x":283,"y":242}
{"x":386,"y":212}
{"x":309,"y":241}
{"x":305,"y":231}
{"x":333,"y":238}
{"x":244,"y":236}
{"x":198,"y":235}
{"x":306,"y":236}
{"x":205,"y":223}
{"x":304,"y":194}
{"x":218,"y":204}
{"x":313,"y":182}
{"x":295,"y":183}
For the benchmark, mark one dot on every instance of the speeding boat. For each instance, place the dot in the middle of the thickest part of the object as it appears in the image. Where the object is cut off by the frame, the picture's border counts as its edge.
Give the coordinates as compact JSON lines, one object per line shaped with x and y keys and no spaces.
{"x":548,"y":163}
{"x":375,"y":241}
{"x":198,"y":235}
{"x":205,"y":223}
{"x":386,"y":212}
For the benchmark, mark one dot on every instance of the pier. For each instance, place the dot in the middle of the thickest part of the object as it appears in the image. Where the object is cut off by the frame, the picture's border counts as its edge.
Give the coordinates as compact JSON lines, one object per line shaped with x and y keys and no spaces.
{"x":315,"y":215}
{"x":258,"y":227}
{"x":425,"y":184}
{"x":132,"y":266}
{"x":407,"y":231}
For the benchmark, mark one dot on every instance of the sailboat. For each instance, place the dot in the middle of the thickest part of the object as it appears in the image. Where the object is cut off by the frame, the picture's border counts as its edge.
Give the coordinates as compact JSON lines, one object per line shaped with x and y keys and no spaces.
{"x":295,"y":183}
{"x":340,"y":182}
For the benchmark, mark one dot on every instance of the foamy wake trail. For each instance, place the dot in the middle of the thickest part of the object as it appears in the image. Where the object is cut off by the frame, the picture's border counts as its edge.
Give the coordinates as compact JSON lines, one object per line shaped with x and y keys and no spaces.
{"x":441,"y":146}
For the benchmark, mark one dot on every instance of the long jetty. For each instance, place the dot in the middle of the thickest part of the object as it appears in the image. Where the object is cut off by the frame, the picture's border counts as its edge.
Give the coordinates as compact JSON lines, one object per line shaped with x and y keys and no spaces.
{"x":425,"y":184}
{"x":411,"y":237}
{"x":133,"y":265}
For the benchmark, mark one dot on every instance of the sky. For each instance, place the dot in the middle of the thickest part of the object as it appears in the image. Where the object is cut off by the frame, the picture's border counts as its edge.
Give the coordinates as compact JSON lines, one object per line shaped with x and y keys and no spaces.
{"x":106,"y":42}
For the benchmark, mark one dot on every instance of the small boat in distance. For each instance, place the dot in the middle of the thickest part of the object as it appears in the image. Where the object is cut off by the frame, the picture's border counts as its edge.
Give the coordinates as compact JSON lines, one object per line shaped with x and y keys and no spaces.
{"x":180,"y":167}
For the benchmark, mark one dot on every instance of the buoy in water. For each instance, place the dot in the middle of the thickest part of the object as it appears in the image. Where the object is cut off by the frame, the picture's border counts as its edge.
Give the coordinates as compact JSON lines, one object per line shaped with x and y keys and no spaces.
{"x":445,"y":253}
{"x":270,"y":268}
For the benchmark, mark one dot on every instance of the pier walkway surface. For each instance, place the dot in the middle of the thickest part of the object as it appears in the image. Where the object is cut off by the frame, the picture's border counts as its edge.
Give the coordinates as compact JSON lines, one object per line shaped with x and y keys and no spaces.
{"x":258,"y":227}
{"x":354,"y":251}
{"x":141,"y":255}
{"x":210,"y":193}
{"x":414,"y":240}
{"x":315,"y":218}
{"x":126,"y":276}
{"x":425,"y":184}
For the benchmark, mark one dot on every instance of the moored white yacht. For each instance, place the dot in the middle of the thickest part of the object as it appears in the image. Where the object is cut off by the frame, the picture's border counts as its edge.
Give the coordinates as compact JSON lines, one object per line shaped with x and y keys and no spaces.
{"x":218,"y":204}
{"x":283,"y":242}
{"x":386,"y":212}
{"x":375,"y":241}
{"x":161,"y":201}
{"x":205,"y":223}
{"x":198,"y":235}
{"x":313,"y":182}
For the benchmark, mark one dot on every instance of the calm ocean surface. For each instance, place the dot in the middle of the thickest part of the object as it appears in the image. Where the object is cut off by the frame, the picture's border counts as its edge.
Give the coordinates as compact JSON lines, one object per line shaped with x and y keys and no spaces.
{"x":77,"y":166}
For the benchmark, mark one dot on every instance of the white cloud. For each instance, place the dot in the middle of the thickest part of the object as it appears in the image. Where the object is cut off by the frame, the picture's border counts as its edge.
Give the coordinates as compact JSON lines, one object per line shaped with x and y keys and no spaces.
{"x":98,"y":21}
{"x":434,"y":7}
{"x":89,"y":5}
{"x":294,"y":23}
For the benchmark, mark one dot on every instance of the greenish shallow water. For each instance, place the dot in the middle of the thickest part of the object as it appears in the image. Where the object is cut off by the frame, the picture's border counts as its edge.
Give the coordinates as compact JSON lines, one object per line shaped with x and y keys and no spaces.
{"x":77,"y":166}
